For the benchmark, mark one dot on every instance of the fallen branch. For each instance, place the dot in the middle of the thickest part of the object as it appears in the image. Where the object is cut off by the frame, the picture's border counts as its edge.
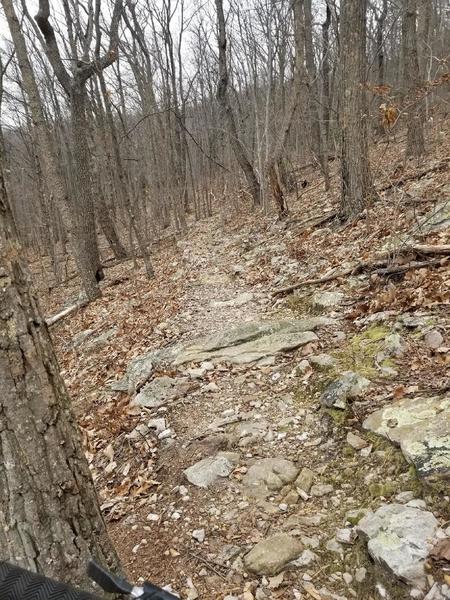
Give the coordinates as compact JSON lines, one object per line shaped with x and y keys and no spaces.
{"x":64,"y":313}
{"x":378,"y":267}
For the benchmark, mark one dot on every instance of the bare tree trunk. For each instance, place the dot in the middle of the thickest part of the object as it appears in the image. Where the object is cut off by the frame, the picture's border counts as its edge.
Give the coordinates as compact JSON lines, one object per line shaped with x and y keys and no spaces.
{"x":356,"y":180}
{"x":222,"y":98}
{"x":381,"y":18}
{"x":326,"y":94}
{"x":415,"y":141}
{"x":50,"y":520}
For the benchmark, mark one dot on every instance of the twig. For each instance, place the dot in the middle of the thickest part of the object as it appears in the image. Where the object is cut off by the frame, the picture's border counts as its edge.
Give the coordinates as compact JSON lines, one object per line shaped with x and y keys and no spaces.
{"x":64,"y":313}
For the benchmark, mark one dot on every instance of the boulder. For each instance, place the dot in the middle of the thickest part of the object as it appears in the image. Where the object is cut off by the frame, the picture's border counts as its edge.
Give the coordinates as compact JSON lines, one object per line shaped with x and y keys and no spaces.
{"x":252,"y":341}
{"x":269,"y":556}
{"x":268,"y":475}
{"x":349,"y":385}
{"x":400,"y":538}
{"x":421,"y":427}
{"x":155,"y":393}
{"x":206,"y":472}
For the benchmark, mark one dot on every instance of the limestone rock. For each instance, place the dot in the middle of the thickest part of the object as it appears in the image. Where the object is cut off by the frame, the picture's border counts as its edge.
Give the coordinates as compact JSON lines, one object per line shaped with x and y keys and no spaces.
{"x":421,"y":427}
{"x":323,"y":361}
{"x":252,"y":341}
{"x":323,"y":300}
{"x":269,"y":556}
{"x":400,"y":538}
{"x":155,"y":393}
{"x":267,"y":475}
{"x":356,"y":442}
{"x":206,"y":472}
{"x":305,"y":480}
{"x":433,"y":339}
{"x":349,"y":385}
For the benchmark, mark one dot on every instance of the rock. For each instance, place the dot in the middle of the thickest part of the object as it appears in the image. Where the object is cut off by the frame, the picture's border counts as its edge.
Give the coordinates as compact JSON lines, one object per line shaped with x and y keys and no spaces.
{"x":198,"y":373}
{"x":305,"y":558}
{"x":417,"y":503}
{"x":347,"y":578}
{"x":421,"y":427}
{"x":303,"y":366}
{"x":400,"y":538}
{"x":207,"y":471}
{"x":321,"y":489}
{"x":334,"y":546}
{"x":305,"y":480}
{"x":349,"y":385}
{"x":404,"y":497}
{"x":323,"y":361}
{"x":199,"y":535}
{"x":437,"y":219}
{"x":240,"y":300}
{"x":269,"y":556}
{"x":393,"y":345}
{"x":158,"y":424}
{"x":267,"y":475}
{"x":81,"y":337}
{"x":346,"y":536}
{"x":291,"y":498}
{"x":355,"y":441}
{"x":102,"y":339}
{"x":433,"y":339}
{"x":360,"y":574}
{"x":156,"y":393}
{"x":252,"y":341}
{"x":323,"y":300}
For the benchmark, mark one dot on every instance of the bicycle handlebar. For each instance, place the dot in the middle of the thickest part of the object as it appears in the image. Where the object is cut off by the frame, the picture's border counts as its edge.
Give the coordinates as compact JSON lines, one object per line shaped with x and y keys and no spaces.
{"x":19,"y":584}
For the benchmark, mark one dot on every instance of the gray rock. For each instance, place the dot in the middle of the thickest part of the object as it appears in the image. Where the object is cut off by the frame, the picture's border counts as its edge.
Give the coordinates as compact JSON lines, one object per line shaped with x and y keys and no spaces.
{"x":334,"y":546}
{"x":349,"y":385}
{"x":421,"y":427}
{"x":437,"y":219}
{"x":321,"y":489}
{"x":267,"y":475}
{"x":433,"y":339}
{"x":141,"y":368}
{"x":155,"y":393}
{"x":323,"y":361}
{"x":101,"y":339}
{"x":356,"y":442}
{"x":252,"y":341}
{"x":360,"y":574}
{"x":324,"y":300}
{"x":206,"y":472}
{"x":305,"y":480}
{"x":393,"y":345}
{"x":81,"y":337}
{"x":272,"y":554}
{"x":240,"y":300}
{"x":400,"y":538}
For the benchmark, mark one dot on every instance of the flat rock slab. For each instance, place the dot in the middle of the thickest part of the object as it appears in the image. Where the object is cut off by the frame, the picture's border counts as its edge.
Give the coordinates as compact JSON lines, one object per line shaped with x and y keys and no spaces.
{"x":159,"y":391}
{"x":272,"y":554}
{"x":268,"y":475}
{"x":421,"y":427}
{"x":141,"y":368}
{"x":207,"y":471}
{"x":400,"y":538}
{"x":252,"y":341}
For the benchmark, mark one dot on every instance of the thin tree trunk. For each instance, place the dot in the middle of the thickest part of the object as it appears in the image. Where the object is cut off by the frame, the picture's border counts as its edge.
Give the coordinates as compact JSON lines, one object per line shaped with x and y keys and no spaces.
{"x":50,"y":520}
{"x":227,"y":111}
{"x":415,"y":141}
{"x":356,"y":181}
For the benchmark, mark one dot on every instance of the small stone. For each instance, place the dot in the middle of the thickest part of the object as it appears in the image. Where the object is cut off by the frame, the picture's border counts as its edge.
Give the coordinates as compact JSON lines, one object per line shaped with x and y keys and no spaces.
{"x":152,"y":517}
{"x":346,"y":536}
{"x":417,"y":503}
{"x":164,"y":435}
{"x":303,"y":366}
{"x":291,"y":498}
{"x":283,"y":507}
{"x":305,"y":558}
{"x":347,"y":578}
{"x":323,"y":361}
{"x":199,"y":535}
{"x":356,"y":442}
{"x":305,"y":480}
{"x":334,"y":546}
{"x":360,"y":574}
{"x":321,"y":489}
{"x":404,"y":497}
{"x":433,"y":339}
{"x":211,"y":387}
{"x":269,"y":556}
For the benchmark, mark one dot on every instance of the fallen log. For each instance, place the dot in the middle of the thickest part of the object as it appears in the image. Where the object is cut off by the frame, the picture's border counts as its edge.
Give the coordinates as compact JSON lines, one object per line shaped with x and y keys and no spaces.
{"x":64,"y":313}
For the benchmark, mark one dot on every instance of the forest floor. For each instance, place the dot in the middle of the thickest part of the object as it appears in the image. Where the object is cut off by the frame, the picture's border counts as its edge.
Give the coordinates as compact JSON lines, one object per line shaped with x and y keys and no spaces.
{"x":390,"y":329}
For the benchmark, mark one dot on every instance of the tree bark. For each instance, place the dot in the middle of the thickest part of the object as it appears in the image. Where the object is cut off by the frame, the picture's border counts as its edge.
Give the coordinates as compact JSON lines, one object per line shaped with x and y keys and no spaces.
{"x":227,"y":111}
{"x":356,"y":181}
{"x":415,"y":141}
{"x":50,"y":520}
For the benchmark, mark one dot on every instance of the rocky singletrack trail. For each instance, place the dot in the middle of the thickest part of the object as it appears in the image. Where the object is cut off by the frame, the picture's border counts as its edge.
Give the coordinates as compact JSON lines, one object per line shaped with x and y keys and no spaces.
{"x":244,"y":450}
